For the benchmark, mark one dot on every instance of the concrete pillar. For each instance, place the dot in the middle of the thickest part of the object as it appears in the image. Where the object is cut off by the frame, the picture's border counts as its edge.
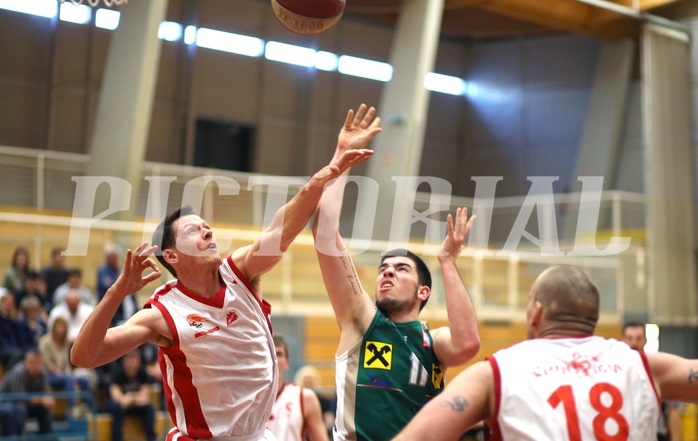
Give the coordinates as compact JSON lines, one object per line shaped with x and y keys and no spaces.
{"x":599,"y":146}
{"x":118,"y":144}
{"x":403,"y":108}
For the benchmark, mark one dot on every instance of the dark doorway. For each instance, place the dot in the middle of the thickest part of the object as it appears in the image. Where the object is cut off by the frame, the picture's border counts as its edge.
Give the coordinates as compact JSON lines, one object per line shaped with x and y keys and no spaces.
{"x":224,"y":144}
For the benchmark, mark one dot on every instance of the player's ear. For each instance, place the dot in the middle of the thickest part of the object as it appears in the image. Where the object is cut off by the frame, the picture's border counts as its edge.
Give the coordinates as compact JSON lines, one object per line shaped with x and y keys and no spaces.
{"x":424,"y":292}
{"x":170,"y":256}
{"x":536,"y":314}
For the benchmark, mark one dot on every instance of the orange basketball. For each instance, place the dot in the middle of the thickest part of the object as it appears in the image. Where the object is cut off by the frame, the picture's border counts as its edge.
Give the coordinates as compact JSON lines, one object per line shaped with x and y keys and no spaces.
{"x":308,"y":17}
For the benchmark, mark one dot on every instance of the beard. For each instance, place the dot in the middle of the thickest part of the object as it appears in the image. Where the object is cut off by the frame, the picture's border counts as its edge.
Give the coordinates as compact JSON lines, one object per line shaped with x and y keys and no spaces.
{"x":390,"y":306}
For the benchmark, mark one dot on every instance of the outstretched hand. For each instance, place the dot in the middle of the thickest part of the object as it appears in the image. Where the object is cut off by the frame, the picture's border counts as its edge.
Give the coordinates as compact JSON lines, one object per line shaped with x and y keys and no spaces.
{"x":456,"y":233}
{"x":358,"y":129}
{"x":131,"y":279}
{"x":347,"y":159}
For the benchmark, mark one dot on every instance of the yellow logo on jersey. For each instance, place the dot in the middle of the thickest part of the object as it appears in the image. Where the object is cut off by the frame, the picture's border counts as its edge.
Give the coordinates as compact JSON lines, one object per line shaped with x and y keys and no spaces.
{"x":437,"y":375}
{"x":378,"y":355}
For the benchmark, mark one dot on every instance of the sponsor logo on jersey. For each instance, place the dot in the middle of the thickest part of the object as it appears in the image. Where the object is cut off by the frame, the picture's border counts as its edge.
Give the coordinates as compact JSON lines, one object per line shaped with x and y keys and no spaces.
{"x":230,"y":317}
{"x":207,"y":332}
{"x":437,"y":375}
{"x":196,"y":320}
{"x":378,"y":355}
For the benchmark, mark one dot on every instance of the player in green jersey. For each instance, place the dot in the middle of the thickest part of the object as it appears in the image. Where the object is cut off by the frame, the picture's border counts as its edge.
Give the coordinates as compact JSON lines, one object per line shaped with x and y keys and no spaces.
{"x":389,"y":364}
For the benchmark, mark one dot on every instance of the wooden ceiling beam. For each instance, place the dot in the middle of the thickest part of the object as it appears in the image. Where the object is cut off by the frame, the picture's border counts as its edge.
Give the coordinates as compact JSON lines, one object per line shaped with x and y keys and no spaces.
{"x":566,"y":15}
{"x":644,"y":5}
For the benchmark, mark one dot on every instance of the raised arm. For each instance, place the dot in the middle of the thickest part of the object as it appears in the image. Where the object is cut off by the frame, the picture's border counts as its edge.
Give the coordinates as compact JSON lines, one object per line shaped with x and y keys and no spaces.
{"x":460,"y":341}
{"x":676,"y":377}
{"x":312,"y":417}
{"x":97,"y":344}
{"x":258,"y":258}
{"x":468,"y":399}
{"x":352,"y":305}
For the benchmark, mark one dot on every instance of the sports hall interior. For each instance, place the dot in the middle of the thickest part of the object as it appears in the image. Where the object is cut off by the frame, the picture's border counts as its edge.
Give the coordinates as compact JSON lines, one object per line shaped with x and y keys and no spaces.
{"x":568,"y":126}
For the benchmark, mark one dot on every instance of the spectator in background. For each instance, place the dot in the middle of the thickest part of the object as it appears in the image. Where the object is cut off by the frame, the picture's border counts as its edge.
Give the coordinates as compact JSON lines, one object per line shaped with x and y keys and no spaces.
{"x":36,"y":287}
{"x":74,"y":311}
{"x":296,"y":415}
{"x":309,"y":377}
{"x":33,"y":316}
{"x":15,"y":337}
{"x":16,"y":274}
{"x":55,"y":352}
{"x":129,"y":394}
{"x":107,"y":274}
{"x":669,"y":426}
{"x":29,"y":377}
{"x":74,"y":283}
{"x":54,"y":275}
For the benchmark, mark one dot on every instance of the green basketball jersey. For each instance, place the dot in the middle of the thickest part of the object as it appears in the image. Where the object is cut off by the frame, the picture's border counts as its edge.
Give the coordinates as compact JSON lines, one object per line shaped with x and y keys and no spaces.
{"x":385,"y":379}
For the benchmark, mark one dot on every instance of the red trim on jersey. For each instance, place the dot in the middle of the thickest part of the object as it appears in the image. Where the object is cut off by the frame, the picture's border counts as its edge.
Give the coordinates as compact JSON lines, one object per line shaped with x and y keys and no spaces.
{"x":176,"y":434}
{"x":160,"y":292}
{"x":197,"y":426}
{"x":496,"y":434}
{"x":215,"y":300}
{"x":240,"y":275}
{"x":304,"y":430}
{"x":266,"y":306}
{"x":646,"y":363}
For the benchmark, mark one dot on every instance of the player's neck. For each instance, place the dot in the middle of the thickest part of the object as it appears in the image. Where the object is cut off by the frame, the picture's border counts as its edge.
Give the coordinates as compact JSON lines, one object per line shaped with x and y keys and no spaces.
{"x":205,"y":283}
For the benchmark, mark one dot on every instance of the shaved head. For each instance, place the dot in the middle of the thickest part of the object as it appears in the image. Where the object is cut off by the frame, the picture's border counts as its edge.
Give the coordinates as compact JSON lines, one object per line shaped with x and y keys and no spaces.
{"x":569,"y":299}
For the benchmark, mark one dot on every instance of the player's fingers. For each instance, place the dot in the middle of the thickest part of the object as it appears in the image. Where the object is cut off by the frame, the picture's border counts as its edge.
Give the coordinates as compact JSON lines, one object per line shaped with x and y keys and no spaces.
{"x":366,"y":121}
{"x":349,"y":119}
{"x":359,"y":114}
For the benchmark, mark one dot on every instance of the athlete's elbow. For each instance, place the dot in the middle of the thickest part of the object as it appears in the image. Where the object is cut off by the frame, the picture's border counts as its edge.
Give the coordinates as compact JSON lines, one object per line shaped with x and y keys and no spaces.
{"x":468,"y":350}
{"x":81,"y":360}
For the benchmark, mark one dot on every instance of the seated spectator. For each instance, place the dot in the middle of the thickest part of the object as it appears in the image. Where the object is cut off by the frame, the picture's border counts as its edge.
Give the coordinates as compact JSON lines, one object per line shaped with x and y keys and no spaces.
{"x":55,"y":351}
{"x":74,"y":283}
{"x":33,"y":316}
{"x":37,"y":287}
{"x":107,"y":274}
{"x":129,"y":394}
{"x":28,"y":377}
{"x":54,"y":275}
{"x":74,"y":311}
{"x":15,"y":337}
{"x":16,"y":274}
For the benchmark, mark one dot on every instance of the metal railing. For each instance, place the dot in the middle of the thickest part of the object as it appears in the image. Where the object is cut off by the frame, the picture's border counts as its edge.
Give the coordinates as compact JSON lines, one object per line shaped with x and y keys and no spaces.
{"x":40,"y":190}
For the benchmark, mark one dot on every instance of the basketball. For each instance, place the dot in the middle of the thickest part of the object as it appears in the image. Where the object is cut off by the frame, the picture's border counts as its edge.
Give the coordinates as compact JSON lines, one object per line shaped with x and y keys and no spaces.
{"x":308,"y":17}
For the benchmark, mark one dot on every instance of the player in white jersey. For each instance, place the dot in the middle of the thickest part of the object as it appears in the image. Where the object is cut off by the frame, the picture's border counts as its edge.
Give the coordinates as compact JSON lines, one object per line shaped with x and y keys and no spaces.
{"x":212,"y":326}
{"x":563,"y":383}
{"x":296,"y":415}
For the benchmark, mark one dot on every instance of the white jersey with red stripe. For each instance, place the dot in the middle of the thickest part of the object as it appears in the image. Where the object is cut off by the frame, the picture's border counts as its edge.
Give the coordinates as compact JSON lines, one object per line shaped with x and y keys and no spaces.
{"x":286,"y":421}
{"x":576,"y":389}
{"x":220,"y":375}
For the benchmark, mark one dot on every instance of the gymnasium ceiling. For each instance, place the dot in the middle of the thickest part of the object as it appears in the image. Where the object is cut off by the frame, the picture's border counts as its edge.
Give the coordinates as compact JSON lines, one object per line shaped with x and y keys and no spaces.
{"x":503,"y":19}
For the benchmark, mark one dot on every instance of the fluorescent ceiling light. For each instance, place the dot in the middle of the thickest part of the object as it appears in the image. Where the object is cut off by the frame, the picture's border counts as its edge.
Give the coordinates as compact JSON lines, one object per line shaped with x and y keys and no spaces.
{"x":107,"y":19}
{"x":170,"y":31}
{"x":189,"y":34}
{"x":80,"y":14}
{"x":326,"y":61}
{"x":361,"y":67}
{"x":229,"y":42}
{"x":42,"y":8}
{"x":291,"y":54}
{"x":444,"y":84}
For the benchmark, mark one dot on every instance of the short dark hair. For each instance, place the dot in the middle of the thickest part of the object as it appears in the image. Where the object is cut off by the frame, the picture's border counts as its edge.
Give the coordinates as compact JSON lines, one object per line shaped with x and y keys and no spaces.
{"x":423,"y":273}
{"x":634,"y":325}
{"x":164,"y":237}
{"x":77,"y":272}
{"x":279,"y":340}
